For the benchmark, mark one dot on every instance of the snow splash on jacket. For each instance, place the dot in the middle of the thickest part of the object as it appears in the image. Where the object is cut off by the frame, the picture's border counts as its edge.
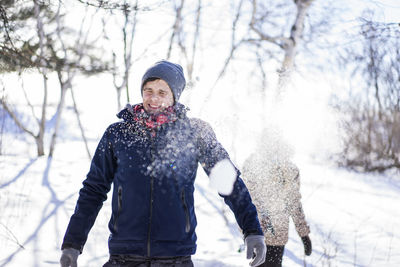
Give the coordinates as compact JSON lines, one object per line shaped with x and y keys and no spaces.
{"x":152,"y":179}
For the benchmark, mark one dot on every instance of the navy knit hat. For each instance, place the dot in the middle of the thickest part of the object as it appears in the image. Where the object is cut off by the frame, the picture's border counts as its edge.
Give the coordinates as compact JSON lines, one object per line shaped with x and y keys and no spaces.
{"x":171,"y":73}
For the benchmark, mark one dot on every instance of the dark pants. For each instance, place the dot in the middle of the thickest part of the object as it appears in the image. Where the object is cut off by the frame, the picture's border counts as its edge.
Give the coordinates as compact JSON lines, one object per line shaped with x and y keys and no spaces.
{"x":273,"y":257}
{"x":139,"y":261}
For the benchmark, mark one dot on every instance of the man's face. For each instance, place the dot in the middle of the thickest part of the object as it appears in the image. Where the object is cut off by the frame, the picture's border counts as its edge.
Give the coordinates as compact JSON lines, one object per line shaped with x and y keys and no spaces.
{"x":157,"y":96}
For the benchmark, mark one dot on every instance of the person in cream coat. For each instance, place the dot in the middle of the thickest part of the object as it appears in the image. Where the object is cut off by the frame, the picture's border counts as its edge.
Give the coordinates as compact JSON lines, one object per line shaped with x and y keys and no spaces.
{"x":273,"y":181}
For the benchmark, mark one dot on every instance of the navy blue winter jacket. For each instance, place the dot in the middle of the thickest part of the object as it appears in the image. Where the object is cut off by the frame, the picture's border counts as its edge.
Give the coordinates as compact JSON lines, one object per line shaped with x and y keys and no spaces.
{"x":153,"y":184}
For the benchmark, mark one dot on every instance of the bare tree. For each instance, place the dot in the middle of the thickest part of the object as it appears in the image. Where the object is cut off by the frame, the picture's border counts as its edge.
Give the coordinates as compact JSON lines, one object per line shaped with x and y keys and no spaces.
{"x":26,"y":61}
{"x":371,"y":124}
{"x":69,"y":65}
{"x":185,"y":39}
{"x":43,"y":70}
{"x":275,"y":30}
{"x":177,"y":28}
{"x":191,"y":59}
{"x":287,"y":43}
{"x":235,"y":43}
{"x":128,"y":34}
{"x":48,"y":53}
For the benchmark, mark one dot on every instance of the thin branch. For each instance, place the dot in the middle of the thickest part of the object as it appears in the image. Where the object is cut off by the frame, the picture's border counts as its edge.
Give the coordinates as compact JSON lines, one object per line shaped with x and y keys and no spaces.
{"x":27,"y":100}
{"x":3,"y":120}
{"x":15,"y":118}
{"x":177,"y":26}
{"x":234,"y":46}
{"x":110,"y":6}
{"x":156,"y":41}
{"x":263,"y":74}
{"x":3,"y":16}
{"x":195,"y":41}
{"x":80,"y":124}
{"x":15,"y":239}
{"x":128,"y":37}
{"x":280,"y":41}
{"x":128,"y":51}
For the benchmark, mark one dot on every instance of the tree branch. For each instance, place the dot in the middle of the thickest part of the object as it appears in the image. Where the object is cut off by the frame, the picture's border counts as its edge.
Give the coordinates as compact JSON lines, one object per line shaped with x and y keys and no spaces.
{"x":15,"y":118}
{"x":110,"y":6}
{"x":280,"y":41}
{"x":176,"y":28}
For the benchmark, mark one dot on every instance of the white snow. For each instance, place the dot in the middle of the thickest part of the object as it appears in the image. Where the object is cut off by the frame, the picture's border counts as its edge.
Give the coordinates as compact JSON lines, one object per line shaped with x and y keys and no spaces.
{"x":223,"y":176}
{"x":354,"y":217}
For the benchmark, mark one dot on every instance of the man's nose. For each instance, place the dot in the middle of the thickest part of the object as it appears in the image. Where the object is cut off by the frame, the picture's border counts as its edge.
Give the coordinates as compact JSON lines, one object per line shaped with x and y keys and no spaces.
{"x":154,"y":97}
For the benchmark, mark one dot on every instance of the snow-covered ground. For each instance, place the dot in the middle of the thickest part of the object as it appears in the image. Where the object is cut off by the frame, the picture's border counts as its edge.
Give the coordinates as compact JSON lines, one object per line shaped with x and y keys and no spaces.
{"x":354,"y":218}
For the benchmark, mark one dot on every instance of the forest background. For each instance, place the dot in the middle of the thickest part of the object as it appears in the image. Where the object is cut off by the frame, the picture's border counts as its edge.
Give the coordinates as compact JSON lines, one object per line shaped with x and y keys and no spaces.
{"x":324,"y":74}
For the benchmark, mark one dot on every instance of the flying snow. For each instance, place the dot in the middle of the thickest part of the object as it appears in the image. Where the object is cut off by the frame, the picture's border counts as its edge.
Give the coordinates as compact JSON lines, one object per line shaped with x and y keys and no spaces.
{"x":223,"y":176}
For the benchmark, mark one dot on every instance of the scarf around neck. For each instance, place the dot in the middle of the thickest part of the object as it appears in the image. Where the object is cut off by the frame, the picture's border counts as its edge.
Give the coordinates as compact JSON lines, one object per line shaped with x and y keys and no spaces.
{"x":152,"y":121}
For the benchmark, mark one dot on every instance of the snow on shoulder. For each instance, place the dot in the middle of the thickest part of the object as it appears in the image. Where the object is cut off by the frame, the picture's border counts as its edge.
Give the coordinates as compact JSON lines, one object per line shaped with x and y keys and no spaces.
{"x":223,"y":177}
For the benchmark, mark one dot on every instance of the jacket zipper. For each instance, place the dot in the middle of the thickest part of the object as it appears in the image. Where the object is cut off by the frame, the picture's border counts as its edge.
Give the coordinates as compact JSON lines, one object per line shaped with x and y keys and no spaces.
{"x":152,"y":151}
{"x":185,"y":207}
{"x":150,"y":215}
{"x":119,"y":208}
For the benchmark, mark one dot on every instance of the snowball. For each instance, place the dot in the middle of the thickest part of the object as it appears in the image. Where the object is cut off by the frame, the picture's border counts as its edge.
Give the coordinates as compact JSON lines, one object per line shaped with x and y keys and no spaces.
{"x":223,"y":176}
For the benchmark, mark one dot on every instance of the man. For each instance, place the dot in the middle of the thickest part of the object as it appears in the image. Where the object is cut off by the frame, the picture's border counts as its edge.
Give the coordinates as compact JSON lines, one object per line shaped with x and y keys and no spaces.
{"x":151,"y":159}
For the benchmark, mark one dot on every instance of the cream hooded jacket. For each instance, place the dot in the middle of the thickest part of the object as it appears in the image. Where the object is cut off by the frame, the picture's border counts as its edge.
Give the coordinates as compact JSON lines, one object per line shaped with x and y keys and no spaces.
{"x":274,"y":185}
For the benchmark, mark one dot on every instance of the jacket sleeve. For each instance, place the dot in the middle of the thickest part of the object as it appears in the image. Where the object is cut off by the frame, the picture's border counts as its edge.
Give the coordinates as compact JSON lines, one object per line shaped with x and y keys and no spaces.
{"x":239,"y":201}
{"x":92,"y":195}
{"x":296,"y":208}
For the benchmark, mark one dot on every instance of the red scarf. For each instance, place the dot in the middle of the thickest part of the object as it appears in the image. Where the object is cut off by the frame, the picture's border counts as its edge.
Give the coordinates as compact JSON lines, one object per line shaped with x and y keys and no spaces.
{"x":152,"y":121}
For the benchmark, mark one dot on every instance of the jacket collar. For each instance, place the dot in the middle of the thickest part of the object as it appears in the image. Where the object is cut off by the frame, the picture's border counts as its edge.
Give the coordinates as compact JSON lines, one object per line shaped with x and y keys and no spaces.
{"x":180,"y":110}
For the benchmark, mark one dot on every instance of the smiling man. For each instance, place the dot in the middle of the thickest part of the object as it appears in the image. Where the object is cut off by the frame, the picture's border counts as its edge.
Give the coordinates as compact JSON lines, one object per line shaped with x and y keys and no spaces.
{"x":150,"y":158}
{"x":157,"y":96}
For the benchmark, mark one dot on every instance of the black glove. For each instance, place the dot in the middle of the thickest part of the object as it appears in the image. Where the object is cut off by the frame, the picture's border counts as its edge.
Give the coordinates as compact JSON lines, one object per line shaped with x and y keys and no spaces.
{"x":307,"y":245}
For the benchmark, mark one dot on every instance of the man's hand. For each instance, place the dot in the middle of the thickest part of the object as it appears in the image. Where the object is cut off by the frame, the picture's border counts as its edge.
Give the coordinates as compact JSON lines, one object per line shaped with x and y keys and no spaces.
{"x":256,"y":249}
{"x":69,"y":257}
{"x":307,"y":245}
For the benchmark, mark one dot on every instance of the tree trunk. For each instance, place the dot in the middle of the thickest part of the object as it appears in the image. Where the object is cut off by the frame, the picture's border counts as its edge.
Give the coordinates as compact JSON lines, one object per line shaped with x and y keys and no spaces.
{"x":177,"y":27}
{"x":3,"y":119}
{"x":59,"y":111}
{"x":43,"y":70}
{"x":80,"y":125}
{"x":39,"y":145}
{"x":290,"y":45}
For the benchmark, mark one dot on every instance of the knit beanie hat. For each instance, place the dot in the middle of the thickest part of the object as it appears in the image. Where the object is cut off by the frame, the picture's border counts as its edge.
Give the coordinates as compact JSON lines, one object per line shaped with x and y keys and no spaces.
{"x":171,"y":73}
